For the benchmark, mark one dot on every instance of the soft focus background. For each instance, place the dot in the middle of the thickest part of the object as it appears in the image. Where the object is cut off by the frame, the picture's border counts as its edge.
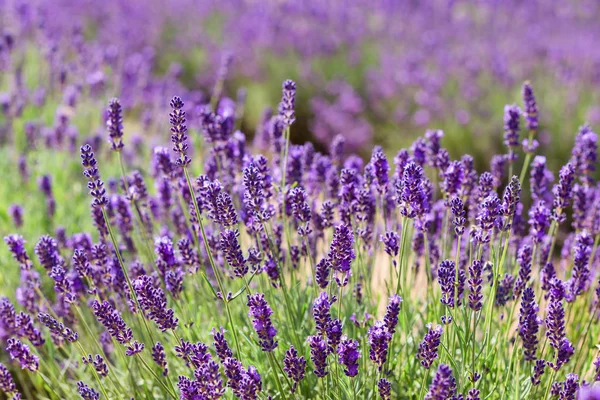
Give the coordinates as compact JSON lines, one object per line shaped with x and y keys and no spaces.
{"x":376,"y":72}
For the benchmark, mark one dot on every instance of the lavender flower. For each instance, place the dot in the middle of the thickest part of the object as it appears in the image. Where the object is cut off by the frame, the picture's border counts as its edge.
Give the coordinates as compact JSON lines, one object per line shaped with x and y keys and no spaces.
{"x":512,"y":116}
{"x":19,"y":351}
{"x":511,"y":197}
{"x":446,"y":278}
{"x":581,"y":271}
{"x":58,"y":328}
{"x":443,"y":386}
{"x":154,"y":303}
{"x":318,"y":355}
{"x":385,"y":389}
{"x":179,"y":132}
{"x":45,"y":184}
{"x":563,"y":192}
{"x":260,"y":312}
{"x":392,"y":311}
{"x":524,"y":259}
{"x":379,"y":340}
{"x":458,"y":212}
{"x":230,"y":247}
{"x":391,"y":242}
{"x":341,"y":250}
{"x":7,"y":384}
{"x":540,"y":178}
{"x":381,"y":168}
{"x":221,"y":345}
{"x":16,"y":212}
{"x":86,"y":392}
{"x":585,"y":154}
{"x":16,"y":245}
{"x":95,"y":184}
{"x":538,"y":370}
{"x":294,"y":367}
{"x":531,"y":110}
{"x":570,"y":387}
{"x":410,"y":191}
{"x":114,"y":124}
{"x":27,"y":330}
{"x":300,"y":209}
{"x":539,"y":221}
{"x":112,"y":321}
{"x":529,"y":324}
{"x":288,"y":100}
{"x":322,"y":270}
{"x":428,"y":348}
{"x":159,"y":357}
{"x":321,"y":311}
{"x":348,"y":356}
{"x":98,"y":363}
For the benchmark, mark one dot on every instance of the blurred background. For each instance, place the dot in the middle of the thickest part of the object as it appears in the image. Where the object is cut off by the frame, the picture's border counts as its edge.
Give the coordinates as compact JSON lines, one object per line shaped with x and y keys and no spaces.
{"x":377,"y":72}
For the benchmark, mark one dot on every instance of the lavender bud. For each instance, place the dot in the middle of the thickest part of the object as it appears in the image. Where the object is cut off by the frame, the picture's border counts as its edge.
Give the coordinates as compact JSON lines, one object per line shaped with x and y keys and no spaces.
{"x":179,"y":132}
{"x":114,"y":124}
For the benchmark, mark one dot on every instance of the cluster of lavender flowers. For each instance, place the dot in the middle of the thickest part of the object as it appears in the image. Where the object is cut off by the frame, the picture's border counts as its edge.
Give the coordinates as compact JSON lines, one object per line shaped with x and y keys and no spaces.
{"x":223,"y":272}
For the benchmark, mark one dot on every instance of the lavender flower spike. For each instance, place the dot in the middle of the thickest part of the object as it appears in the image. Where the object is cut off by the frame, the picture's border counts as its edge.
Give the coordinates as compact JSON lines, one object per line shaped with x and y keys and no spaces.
{"x":530,"y":105}
{"x":529,"y":324}
{"x":428,"y":348}
{"x":154,"y":303}
{"x":443,"y":386}
{"x":57,"y":328}
{"x":294,"y":366}
{"x":7,"y":383}
{"x":179,"y":131}
{"x":318,"y":355}
{"x":379,"y":340}
{"x":95,"y":184}
{"x":114,"y":124}
{"x":288,"y":101}
{"x":348,"y":356}
{"x":260,"y":312}
{"x":19,"y":351}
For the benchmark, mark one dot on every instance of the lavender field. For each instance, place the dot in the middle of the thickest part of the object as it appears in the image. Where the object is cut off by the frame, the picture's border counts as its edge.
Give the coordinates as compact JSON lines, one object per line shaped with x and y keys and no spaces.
{"x":315,"y":199}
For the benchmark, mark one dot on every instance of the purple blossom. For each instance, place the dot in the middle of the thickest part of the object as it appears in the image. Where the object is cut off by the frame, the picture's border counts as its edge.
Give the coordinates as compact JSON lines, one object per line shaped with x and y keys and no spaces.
{"x":348,"y":356}
{"x":530,"y":107}
{"x":112,"y":321}
{"x":221,"y":346}
{"x":385,"y":389}
{"x":97,"y":362}
{"x":381,"y":168}
{"x":581,"y":271}
{"x":512,"y":116}
{"x":563,"y":192}
{"x":322,"y":270}
{"x":443,"y":386}
{"x":154,"y":303}
{"x":529,"y":324}
{"x":19,"y":351}
{"x":159,"y":357}
{"x":7,"y":383}
{"x":392,"y":311}
{"x":446,"y":278}
{"x":379,"y":340}
{"x":230,"y":246}
{"x":288,"y":100}
{"x":294,"y":366}
{"x":540,"y":179}
{"x":114,"y":124}
{"x":539,"y":221}
{"x":411,"y":193}
{"x":179,"y":131}
{"x":95,"y":184}
{"x":428,"y":348}
{"x":57,"y":328}
{"x":458,"y":212}
{"x":86,"y":392}
{"x":318,"y":355}
{"x":260,"y":312}
{"x":322,"y":311}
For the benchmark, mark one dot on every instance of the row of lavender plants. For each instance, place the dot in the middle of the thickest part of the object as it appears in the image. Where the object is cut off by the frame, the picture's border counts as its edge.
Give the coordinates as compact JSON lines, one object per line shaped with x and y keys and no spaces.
{"x":364,"y":66}
{"x":220,"y":272}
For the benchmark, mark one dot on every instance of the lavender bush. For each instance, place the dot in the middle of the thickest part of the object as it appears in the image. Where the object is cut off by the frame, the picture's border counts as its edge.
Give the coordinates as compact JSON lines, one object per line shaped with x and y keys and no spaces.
{"x":199,"y":259}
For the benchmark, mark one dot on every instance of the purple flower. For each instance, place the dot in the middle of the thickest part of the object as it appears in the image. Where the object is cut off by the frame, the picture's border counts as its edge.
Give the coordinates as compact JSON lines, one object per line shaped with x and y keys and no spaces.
{"x":159,"y":357}
{"x":348,"y":356}
{"x":443,"y":386}
{"x":294,"y":366}
{"x":334,"y":334}
{"x":57,"y":328}
{"x":570,"y":387}
{"x":221,"y":346}
{"x":98,"y":363}
{"x":391,"y":242}
{"x":473,"y":395}
{"x":179,"y":131}
{"x":81,"y":264}
{"x":288,"y":100}
{"x":45,"y":183}
{"x":497,"y":168}
{"x":538,"y":370}
{"x":27,"y":330}
{"x":188,"y":254}
{"x":134,"y":348}
{"x":511,"y":197}
{"x":322,"y":270}
{"x":458,"y":212}
{"x":581,"y":270}
{"x":487,"y":218}
{"x":454,"y":176}
{"x":524,"y":261}
{"x":446,"y":278}
{"x":154,"y":303}
{"x":512,"y":116}
{"x":95,"y":184}
{"x":385,"y":389}
{"x":112,"y":321}
{"x":7,"y":384}
{"x":428,"y":348}
{"x":529,"y":324}
{"x":16,"y":212}
{"x":16,"y":245}
{"x":585,"y":154}
{"x":260,"y":312}
{"x":318,"y":355}
{"x":379,"y":340}
{"x":411,"y":193}
{"x":230,"y":246}
{"x":540,"y":178}
{"x":221,"y":208}
{"x":300,"y":209}
{"x":381,"y":168}
{"x":86,"y":392}
{"x":589,"y":393}
{"x":341,"y":250}
{"x":19,"y":351}
{"x":392,"y":311}
{"x":114,"y":124}
{"x":563,"y":192}
{"x":539,"y":221}
{"x":531,"y":110}
{"x":322,"y":311}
